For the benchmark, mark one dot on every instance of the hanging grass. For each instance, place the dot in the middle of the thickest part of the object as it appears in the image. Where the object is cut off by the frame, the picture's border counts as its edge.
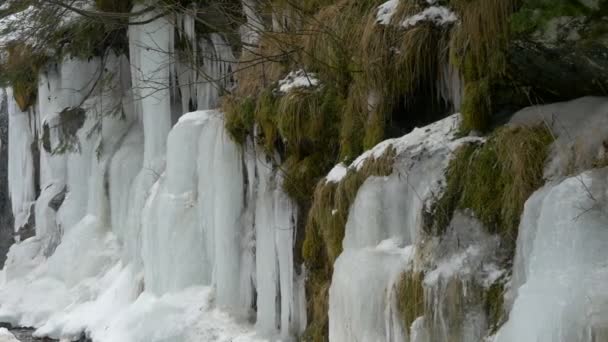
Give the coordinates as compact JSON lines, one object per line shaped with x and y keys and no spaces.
{"x":20,"y":71}
{"x":494,"y":180}
{"x":410,"y":297}
{"x":478,"y":45}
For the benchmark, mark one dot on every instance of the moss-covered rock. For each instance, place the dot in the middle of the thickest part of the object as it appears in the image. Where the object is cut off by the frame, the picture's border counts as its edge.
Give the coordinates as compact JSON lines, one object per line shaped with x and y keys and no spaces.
{"x":559,"y":48}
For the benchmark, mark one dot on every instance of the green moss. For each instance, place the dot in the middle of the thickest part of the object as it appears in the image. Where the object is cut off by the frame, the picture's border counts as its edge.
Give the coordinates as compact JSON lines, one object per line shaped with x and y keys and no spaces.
{"x":494,"y":180}
{"x":535,"y":14}
{"x":410,"y":297}
{"x":239,"y":116}
{"x":476,"y":107}
{"x":478,"y":48}
{"x":265,"y":116}
{"x":494,"y":306}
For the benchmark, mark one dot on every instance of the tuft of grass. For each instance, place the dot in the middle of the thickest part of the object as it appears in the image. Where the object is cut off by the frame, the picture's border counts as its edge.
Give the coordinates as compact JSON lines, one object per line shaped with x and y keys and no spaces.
{"x":260,"y":67}
{"x":265,"y":117}
{"x":494,"y":306}
{"x":494,"y":180}
{"x":239,"y":114}
{"x":476,"y":107}
{"x":410,"y":297}
{"x":477,"y":47}
{"x":20,"y":71}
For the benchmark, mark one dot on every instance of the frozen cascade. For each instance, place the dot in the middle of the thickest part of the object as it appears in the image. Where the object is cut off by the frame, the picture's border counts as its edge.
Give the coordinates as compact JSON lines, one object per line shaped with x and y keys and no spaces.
{"x":205,"y":71}
{"x":564,"y":271}
{"x":217,"y":67}
{"x":377,"y":250}
{"x":21,"y":162}
{"x":150,"y":47}
{"x":227,"y":203}
{"x":171,"y":204}
{"x":275,"y":225}
{"x":167,"y":236}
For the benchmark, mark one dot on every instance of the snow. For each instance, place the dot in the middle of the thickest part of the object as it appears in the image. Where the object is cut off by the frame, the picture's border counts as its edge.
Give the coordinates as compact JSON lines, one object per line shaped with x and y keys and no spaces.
{"x":386,"y":11}
{"x":563,"y":295}
{"x":6,"y":336}
{"x":296,"y":80}
{"x":336,"y":174}
{"x":580,"y":127}
{"x":438,"y":15}
{"x":435,"y":136}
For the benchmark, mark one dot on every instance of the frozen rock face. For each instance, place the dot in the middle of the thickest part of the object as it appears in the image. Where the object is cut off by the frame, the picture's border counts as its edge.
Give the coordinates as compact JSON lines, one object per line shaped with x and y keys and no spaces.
{"x":141,"y":222}
{"x":21,"y":173}
{"x":563,"y":270}
{"x":212,"y":229}
{"x":580,"y":128}
{"x":382,"y":232}
{"x":460,"y":268}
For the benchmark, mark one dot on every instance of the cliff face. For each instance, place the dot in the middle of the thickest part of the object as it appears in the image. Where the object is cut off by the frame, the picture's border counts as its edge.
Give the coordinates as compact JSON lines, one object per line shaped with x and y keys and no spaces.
{"x":403,"y":170}
{"x":559,"y":48}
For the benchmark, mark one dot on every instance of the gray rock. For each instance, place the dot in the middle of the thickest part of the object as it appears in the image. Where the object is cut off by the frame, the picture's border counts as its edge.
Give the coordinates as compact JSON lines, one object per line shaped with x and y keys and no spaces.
{"x":58,"y":199}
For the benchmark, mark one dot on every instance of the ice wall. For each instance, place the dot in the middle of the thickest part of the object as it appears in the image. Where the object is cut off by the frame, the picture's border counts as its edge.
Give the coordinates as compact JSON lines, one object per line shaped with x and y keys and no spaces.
{"x":156,"y":222}
{"x":563,"y":295}
{"x":384,"y":224}
{"x":151,"y":49}
{"x":21,"y":171}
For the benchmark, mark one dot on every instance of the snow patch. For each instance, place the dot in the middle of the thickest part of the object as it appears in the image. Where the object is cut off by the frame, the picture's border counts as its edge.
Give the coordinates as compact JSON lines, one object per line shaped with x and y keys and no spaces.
{"x":298,"y":79}
{"x":336,"y":174}
{"x":386,"y":11}
{"x":6,"y":336}
{"x":438,"y":15}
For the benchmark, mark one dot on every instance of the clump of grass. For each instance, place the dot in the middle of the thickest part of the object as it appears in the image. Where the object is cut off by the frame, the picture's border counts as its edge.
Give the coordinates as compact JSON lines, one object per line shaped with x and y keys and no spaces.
{"x":21,"y":72}
{"x":494,"y":306}
{"x":476,"y":107}
{"x":478,"y":48}
{"x":325,"y":231}
{"x":265,"y":117}
{"x":239,"y":117}
{"x":410,"y":297}
{"x":260,"y":67}
{"x":494,"y":180}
